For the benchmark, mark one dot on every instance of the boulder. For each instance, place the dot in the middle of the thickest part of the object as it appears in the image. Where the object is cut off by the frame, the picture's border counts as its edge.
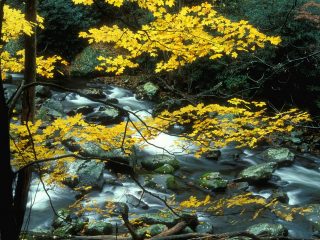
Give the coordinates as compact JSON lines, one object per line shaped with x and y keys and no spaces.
{"x":278,"y":155}
{"x":213,"y":155}
{"x":66,"y":223}
{"x":151,"y":230}
{"x":94,"y":93}
{"x":147,"y":91}
{"x":9,"y":91}
{"x":204,"y":227}
{"x":237,"y":187}
{"x":90,"y":149}
{"x":49,"y":110}
{"x":268,"y":230}
{"x":64,"y":216}
{"x":165,"y":169}
{"x":161,"y":182}
{"x":67,"y":230}
{"x":98,"y":228}
{"x":213,"y":181}
{"x":85,"y":173}
{"x":259,"y":172}
{"x":165,"y":218}
{"x":84,"y":110}
{"x":155,"y":161}
{"x":43,"y":92}
{"x":105,"y":116}
{"x":172,"y":184}
{"x":187,"y":230}
{"x":135,"y":202}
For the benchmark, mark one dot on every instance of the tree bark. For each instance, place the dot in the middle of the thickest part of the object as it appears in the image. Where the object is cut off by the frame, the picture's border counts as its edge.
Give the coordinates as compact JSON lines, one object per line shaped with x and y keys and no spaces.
{"x":8,"y":226}
{"x":28,"y":111}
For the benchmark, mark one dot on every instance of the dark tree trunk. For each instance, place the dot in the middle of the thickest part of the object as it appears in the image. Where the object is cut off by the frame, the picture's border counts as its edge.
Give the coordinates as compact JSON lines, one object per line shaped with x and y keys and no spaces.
{"x":8,"y":224}
{"x":28,"y":110}
{"x":28,"y":102}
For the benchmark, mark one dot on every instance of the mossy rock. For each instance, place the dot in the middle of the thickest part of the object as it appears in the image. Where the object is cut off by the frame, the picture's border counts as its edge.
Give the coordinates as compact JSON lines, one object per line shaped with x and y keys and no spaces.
{"x":213,"y":180}
{"x":278,"y":155}
{"x":165,"y":169}
{"x":147,"y":91}
{"x":204,"y":227}
{"x":98,"y":228}
{"x":172,"y":184}
{"x":64,"y":217}
{"x":151,"y":230}
{"x":164,"y":218}
{"x":268,"y":229}
{"x":71,"y":228}
{"x":259,"y":172}
{"x":155,"y":161}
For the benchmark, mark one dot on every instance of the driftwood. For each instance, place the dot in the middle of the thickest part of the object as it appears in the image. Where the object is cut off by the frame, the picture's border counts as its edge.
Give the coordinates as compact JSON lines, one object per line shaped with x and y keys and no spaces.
{"x":172,"y":231}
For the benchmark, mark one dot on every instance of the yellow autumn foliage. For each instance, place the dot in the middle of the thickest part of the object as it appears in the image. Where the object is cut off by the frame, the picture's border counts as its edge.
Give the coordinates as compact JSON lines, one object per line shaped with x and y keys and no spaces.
{"x":45,"y":65}
{"x":184,"y":36}
{"x":210,"y":126}
{"x":243,"y":202}
{"x":14,"y":26}
{"x":214,"y":126}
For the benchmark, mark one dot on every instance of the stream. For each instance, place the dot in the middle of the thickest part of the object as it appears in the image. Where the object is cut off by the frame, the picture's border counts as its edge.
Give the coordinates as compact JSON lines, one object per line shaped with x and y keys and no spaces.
{"x":299,"y":181}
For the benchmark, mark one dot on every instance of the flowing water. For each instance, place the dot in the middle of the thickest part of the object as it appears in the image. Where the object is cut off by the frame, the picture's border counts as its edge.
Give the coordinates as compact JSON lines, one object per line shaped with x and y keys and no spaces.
{"x":301,"y":181}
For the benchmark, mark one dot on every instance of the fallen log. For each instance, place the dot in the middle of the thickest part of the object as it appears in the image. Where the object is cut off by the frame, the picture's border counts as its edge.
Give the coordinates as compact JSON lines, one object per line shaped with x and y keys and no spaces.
{"x":172,"y":231}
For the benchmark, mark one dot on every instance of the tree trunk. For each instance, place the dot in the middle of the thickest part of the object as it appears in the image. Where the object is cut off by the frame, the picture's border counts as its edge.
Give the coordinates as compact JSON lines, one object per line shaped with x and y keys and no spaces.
{"x":8,"y":226}
{"x":28,"y":110}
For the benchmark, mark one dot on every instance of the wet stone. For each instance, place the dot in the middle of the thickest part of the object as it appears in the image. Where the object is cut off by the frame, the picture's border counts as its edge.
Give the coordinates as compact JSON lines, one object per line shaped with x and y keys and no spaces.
{"x":165,"y":218}
{"x":98,"y":228}
{"x":259,"y":172}
{"x":204,"y":227}
{"x":213,"y":180}
{"x":155,"y":161}
{"x":213,"y":155}
{"x":136,"y":202}
{"x":165,"y":169}
{"x":278,"y":155}
{"x":268,"y":229}
{"x":151,"y":230}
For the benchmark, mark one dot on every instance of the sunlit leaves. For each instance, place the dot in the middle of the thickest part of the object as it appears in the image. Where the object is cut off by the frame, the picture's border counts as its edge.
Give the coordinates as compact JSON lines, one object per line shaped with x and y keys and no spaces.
{"x":182,"y":37}
{"x":246,"y":202}
{"x":45,"y":65}
{"x":15,"y":25}
{"x":214,"y":126}
{"x":48,"y":139}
